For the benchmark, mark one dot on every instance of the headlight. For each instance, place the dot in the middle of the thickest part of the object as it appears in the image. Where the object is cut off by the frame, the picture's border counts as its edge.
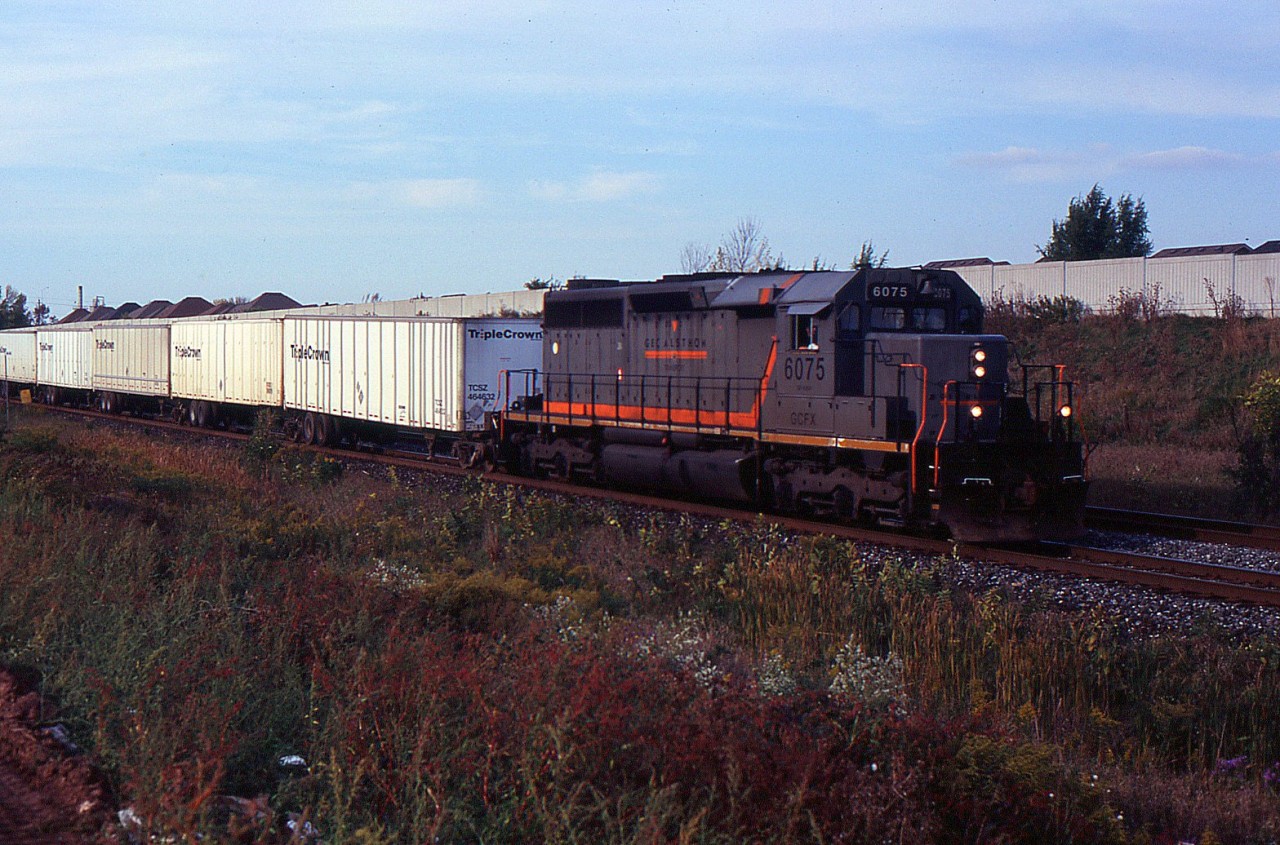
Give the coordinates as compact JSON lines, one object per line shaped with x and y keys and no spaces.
{"x":1065,"y":411}
{"x":975,"y":411}
{"x":977,"y":362}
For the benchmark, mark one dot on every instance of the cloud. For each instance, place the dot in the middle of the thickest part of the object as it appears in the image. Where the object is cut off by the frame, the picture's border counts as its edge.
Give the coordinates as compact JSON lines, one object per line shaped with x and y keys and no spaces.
{"x":1184,"y":158}
{"x":199,"y":186}
{"x":1029,"y":164}
{"x":598,"y":186}
{"x":421,"y":193}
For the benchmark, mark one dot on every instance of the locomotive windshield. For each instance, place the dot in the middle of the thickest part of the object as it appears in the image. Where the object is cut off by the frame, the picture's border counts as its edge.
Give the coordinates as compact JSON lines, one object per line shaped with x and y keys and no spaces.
{"x":897,"y":319}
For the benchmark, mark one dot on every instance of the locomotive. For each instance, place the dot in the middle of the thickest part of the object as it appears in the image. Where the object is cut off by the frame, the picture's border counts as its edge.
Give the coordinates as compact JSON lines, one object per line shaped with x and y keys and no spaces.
{"x":871,"y":395}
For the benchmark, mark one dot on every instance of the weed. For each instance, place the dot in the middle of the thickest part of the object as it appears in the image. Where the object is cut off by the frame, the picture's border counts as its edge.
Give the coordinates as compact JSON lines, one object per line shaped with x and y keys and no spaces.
{"x":263,"y":444}
{"x":460,"y":662}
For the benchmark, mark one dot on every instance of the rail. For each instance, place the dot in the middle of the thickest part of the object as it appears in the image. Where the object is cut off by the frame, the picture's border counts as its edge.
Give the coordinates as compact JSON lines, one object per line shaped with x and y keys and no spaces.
{"x":1200,"y":529}
{"x":1225,"y":583}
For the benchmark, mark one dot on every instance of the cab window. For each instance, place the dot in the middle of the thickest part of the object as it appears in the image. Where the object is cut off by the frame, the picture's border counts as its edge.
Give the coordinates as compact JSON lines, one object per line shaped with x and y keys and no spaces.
{"x":804,"y":332}
{"x":888,"y":319}
{"x":929,"y":319}
{"x":849,"y":322}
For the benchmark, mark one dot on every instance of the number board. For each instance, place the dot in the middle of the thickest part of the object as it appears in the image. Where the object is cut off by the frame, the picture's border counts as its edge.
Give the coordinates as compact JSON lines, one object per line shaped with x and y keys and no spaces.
{"x":888,"y":293}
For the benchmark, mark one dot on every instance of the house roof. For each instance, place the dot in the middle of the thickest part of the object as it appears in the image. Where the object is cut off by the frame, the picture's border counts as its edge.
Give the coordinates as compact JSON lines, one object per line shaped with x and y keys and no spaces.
{"x":961,"y":262}
{"x":1210,"y":249}
{"x":191,"y":306}
{"x":272,"y":301}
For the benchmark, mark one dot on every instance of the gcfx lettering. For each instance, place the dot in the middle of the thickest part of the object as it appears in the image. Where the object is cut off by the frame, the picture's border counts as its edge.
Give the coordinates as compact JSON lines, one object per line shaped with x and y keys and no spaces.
{"x":505,"y":334}
{"x":107,"y":345}
{"x":186,"y":352}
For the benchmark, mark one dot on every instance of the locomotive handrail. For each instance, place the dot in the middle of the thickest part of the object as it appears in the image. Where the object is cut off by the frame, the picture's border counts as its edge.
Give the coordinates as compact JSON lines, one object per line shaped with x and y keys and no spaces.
{"x":874,"y":355}
{"x":942,"y":429}
{"x":1061,"y":395}
{"x":924,"y":404}
{"x":584,"y":395}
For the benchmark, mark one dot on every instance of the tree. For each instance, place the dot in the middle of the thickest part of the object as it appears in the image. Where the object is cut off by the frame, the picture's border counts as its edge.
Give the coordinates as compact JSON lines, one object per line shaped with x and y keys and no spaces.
{"x":13,"y":309}
{"x":695,"y":258}
{"x":744,"y":250}
{"x":867,"y":258}
{"x":1097,"y":228}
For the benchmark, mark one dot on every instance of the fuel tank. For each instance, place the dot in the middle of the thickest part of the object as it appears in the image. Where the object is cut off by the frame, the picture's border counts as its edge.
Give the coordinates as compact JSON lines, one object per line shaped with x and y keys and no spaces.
{"x":720,"y":474}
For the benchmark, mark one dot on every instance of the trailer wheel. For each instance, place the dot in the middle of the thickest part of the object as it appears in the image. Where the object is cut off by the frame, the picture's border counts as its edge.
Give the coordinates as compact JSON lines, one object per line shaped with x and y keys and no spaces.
{"x":310,"y":429}
{"x":328,"y":430}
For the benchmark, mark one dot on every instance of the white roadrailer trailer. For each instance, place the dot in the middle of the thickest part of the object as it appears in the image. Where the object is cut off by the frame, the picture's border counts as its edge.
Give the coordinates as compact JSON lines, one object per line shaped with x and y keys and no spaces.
{"x":64,"y":359}
{"x":18,"y":356}
{"x":131,"y":358}
{"x":236,"y":362}
{"x":440,"y":375}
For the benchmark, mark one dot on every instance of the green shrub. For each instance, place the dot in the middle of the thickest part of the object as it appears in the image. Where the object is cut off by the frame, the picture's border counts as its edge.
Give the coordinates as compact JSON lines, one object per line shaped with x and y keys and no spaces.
{"x":33,"y":440}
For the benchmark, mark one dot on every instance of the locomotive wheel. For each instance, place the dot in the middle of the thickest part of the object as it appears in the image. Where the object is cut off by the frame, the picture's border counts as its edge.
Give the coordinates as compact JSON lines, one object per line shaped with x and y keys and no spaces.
{"x":528,"y":466}
{"x":844,"y":502}
{"x":784,"y":496}
{"x":309,"y":429}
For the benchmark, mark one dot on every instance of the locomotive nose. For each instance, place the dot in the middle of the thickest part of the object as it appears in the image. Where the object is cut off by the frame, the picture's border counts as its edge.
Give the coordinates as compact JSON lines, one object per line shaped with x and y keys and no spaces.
{"x":1026,"y":493}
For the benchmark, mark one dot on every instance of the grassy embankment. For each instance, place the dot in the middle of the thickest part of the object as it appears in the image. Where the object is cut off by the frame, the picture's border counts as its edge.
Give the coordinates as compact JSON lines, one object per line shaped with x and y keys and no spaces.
{"x":1160,"y":399}
{"x":478,"y":663}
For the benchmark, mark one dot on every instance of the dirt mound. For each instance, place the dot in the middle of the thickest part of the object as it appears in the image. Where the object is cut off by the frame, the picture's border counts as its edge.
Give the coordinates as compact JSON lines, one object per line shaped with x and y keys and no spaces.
{"x":47,"y":794}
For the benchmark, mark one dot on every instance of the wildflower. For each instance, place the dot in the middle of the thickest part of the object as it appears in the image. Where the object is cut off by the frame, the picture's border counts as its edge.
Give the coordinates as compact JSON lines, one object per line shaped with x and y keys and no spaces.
{"x":1231,"y":766}
{"x":876,"y":681}
{"x":1272,"y":775}
{"x":774,"y":676}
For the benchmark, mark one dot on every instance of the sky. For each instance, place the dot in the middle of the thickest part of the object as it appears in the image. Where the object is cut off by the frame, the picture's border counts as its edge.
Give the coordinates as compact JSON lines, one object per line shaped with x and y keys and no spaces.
{"x":337,"y":150}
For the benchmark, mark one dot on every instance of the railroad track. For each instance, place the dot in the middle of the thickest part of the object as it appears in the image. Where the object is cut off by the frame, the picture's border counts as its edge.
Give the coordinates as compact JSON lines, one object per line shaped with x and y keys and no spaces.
{"x":1245,"y":534}
{"x":1226,"y":583}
